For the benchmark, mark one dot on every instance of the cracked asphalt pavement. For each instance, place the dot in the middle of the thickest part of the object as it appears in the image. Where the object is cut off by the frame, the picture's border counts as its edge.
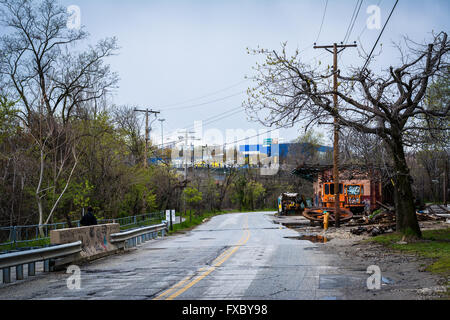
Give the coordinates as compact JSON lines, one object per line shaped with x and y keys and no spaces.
{"x":233,"y":256}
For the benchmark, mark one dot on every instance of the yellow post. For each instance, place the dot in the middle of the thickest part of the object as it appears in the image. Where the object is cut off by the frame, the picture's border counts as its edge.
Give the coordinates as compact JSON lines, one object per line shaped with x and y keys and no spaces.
{"x":325,"y":220}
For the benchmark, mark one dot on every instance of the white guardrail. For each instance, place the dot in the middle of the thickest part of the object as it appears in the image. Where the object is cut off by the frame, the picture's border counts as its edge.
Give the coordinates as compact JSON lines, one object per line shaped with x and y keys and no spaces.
{"x":30,"y":257}
{"x":122,"y":240}
{"x":134,"y":237}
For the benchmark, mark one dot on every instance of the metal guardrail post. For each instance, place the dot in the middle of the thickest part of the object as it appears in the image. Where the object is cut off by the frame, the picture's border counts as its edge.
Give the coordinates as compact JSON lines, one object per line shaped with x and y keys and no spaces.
{"x":7,"y":275}
{"x":19,"y":272}
{"x":32,"y":269}
{"x":47,"y":265}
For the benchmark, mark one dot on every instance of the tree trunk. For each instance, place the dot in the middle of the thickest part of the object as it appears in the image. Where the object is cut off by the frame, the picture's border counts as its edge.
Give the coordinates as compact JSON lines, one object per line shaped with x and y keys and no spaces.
{"x":406,"y":217}
{"x":38,"y":191}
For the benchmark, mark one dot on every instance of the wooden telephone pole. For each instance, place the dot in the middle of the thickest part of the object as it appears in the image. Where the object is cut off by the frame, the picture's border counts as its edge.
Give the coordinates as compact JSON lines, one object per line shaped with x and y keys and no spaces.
{"x":147,"y":131}
{"x":147,"y":138}
{"x":335,"y":53}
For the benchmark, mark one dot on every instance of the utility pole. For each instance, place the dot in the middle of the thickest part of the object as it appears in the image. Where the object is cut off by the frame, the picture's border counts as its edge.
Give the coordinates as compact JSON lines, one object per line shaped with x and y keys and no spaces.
{"x":185,"y":162}
{"x":335,"y":53}
{"x":162,"y":132}
{"x":203,"y":148}
{"x":162,"y":139}
{"x":147,"y":138}
{"x":147,"y":130}
{"x":185,"y":151}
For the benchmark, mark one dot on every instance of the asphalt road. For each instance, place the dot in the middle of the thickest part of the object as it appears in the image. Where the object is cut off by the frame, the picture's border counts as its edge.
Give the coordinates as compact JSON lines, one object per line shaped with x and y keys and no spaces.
{"x":233,"y":256}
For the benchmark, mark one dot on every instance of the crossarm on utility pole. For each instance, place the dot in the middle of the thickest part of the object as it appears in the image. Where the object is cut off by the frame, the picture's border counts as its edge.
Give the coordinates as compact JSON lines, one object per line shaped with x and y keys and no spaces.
{"x":147,"y":137}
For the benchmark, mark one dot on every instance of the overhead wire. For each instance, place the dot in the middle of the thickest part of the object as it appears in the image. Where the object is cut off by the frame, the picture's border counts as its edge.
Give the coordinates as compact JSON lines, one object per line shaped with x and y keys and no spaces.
{"x":205,"y":103}
{"x":353,"y":20}
{"x":379,"y":37}
{"x":235,"y":111}
{"x":323,"y":19}
{"x":204,"y":96}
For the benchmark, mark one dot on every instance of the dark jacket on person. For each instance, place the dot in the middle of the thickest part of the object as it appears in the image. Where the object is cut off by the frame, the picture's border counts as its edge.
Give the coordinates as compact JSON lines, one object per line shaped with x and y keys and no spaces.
{"x":88,"y":219}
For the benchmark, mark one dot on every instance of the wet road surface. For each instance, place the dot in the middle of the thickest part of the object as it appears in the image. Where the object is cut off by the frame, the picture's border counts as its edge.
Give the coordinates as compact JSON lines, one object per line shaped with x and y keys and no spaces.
{"x":232,"y":256}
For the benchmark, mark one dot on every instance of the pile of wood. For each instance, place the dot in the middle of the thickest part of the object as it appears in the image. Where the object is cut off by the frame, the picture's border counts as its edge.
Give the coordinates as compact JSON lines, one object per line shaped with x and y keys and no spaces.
{"x":374,"y":230}
{"x":429,"y":217}
{"x":384,"y":222}
{"x":388,"y":215}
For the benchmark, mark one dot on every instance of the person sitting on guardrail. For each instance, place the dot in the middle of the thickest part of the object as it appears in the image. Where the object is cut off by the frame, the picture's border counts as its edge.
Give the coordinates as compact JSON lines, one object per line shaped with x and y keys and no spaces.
{"x":89,"y":218}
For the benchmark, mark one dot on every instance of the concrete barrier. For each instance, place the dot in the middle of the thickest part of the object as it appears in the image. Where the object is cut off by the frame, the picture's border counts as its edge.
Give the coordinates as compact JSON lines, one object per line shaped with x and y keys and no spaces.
{"x":96,"y":240}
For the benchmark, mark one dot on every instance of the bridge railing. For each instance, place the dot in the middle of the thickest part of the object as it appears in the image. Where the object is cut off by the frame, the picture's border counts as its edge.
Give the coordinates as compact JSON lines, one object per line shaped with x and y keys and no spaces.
{"x":14,"y":236}
{"x":132,"y":238}
{"x":20,"y":259}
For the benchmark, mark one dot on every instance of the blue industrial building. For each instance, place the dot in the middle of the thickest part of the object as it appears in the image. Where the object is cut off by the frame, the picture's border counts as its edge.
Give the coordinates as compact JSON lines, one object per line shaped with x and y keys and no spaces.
{"x":280,"y":150}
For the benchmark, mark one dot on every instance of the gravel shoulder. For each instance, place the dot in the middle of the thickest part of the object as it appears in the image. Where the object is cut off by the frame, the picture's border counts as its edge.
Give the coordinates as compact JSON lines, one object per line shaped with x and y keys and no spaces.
{"x":404,"y":275}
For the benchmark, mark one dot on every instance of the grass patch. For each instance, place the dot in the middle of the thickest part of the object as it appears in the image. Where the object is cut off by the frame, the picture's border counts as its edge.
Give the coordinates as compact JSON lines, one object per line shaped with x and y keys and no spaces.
{"x":434,"y":244}
{"x":33,"y":243}
{"x":141,"y":224}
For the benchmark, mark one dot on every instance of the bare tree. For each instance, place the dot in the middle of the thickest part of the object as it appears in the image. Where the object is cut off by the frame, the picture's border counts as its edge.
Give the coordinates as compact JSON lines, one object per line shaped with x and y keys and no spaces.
{"x":50,"y":80}
{"x":389,"y":105}
{"x":127,"y":121}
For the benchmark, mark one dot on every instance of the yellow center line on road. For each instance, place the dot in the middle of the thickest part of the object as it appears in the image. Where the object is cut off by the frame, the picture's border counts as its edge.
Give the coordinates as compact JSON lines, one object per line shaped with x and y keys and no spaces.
{"x":173,"y":288}
{"x":216,"y":263}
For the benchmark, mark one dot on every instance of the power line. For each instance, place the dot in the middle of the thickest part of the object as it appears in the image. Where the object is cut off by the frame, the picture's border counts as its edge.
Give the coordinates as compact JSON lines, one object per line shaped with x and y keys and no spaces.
{"x":224,"y":117}
{"x":365,"y":26}
{"x":213,"y":118}
{"x":207,"y":102}
{"x":204,"y":96}
{"x":323,"y":19}
{"x":352,"y":21}
{"x":381,"y":33}
{"x":210,"y":120}
{"x":351,"y":25}
{"x":232,"y":112}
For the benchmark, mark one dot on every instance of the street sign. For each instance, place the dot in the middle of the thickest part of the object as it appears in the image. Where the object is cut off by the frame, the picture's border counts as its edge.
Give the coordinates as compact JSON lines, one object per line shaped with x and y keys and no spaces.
{"x":168,"y":215}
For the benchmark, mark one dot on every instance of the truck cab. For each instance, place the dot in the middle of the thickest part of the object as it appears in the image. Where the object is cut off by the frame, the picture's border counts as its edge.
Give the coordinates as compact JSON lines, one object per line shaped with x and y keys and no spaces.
{"x":353,"y":197}
{"x":328,"y":195}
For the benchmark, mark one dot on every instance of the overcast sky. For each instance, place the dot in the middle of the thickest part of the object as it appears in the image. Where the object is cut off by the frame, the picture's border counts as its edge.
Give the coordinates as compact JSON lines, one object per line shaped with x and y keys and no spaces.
{"x":175,"y":51}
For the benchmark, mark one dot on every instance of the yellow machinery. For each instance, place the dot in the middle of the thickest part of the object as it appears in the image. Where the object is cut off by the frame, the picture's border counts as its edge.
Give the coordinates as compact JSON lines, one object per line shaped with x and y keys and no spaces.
{"x":291,"y":203}
{"x":349,"y":200}
{"x":350,"y":196}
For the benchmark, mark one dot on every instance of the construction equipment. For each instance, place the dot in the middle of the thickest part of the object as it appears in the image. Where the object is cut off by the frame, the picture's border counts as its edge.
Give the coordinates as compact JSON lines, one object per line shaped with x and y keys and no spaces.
{"x":318,"y":214}
{"x":349,"y":202}
{"x":291,"y":203}
{"x":350,"y":196}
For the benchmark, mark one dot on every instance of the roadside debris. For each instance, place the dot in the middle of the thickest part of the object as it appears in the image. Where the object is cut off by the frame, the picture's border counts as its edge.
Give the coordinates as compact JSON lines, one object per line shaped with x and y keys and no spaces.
{"x":385,"y":221}
{"x":382,"y":221}
{"x":373,"y":230}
